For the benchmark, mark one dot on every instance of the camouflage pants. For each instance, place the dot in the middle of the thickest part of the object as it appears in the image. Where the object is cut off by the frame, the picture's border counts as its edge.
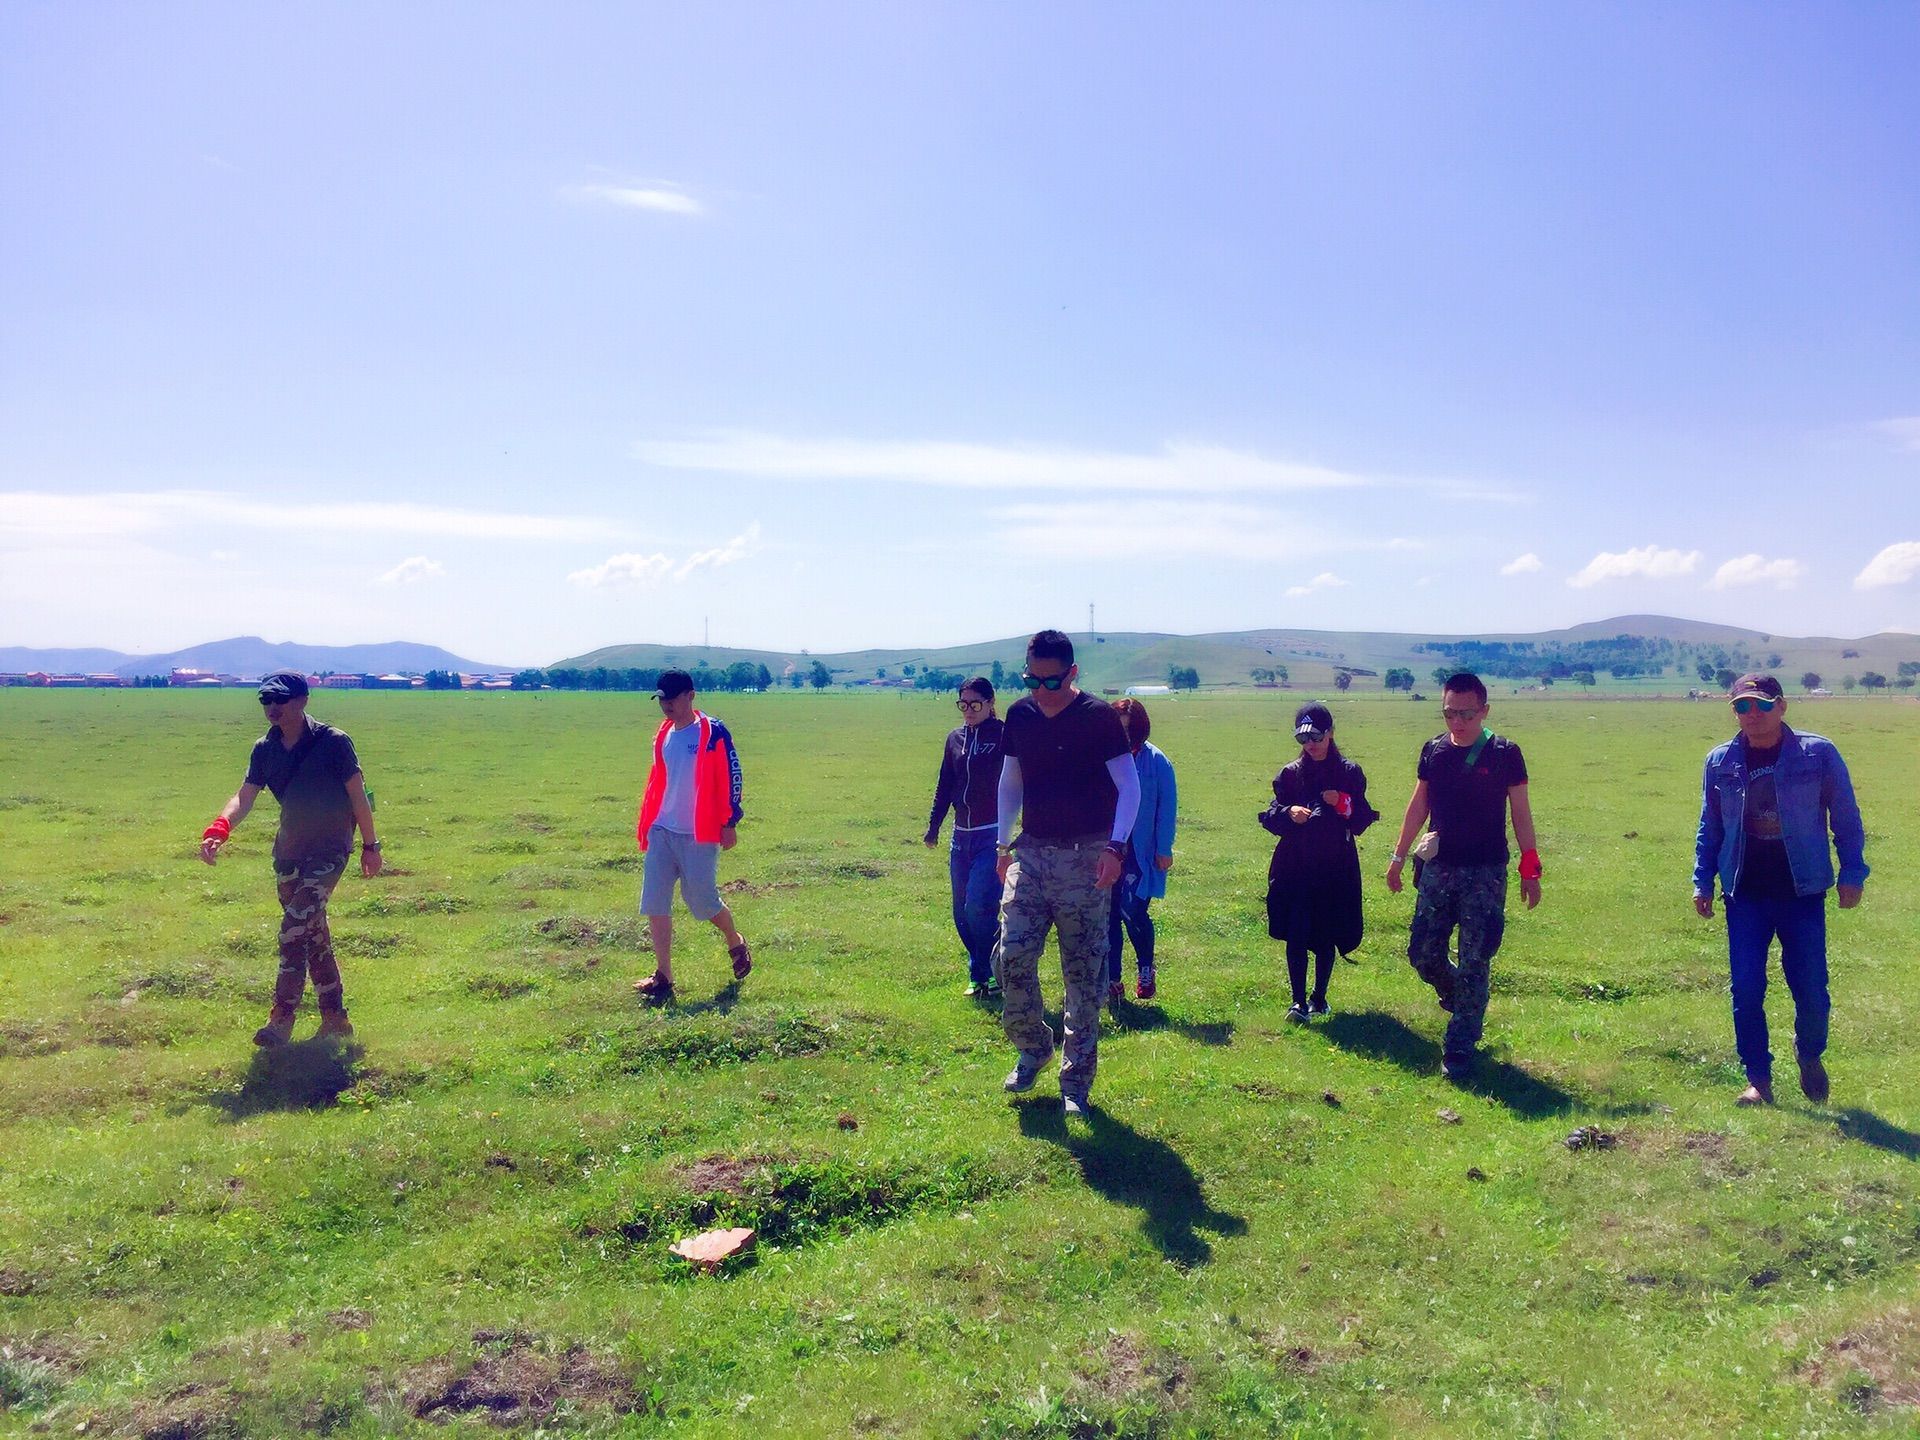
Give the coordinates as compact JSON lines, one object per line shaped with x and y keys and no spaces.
{"x":306,"y":944}
{"x":1472,"y":898}
{"x":1051,"y":886}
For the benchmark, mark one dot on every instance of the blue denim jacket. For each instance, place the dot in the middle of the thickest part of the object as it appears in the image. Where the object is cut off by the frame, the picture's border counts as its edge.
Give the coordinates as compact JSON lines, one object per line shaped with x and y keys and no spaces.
{"x":1814,"y":791}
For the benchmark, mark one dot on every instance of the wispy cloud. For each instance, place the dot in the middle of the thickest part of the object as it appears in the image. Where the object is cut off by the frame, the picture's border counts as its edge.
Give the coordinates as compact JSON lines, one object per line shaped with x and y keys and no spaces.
{"x":413,"y":570}
{"x":657,"y":196}
{"x":738,"y":548}
{"x":1184,"y":468}
{"x":1903,"y":430}
{"x":1325,"y":580}
{"x":624,"y":572}
{"x":1648,"y":562}
{"x":39,"y":516}
{"x":1757,"y":570}
{"x":1895,"y":565}
{"x":1527,"y":564}
{"x":1133,"y":529}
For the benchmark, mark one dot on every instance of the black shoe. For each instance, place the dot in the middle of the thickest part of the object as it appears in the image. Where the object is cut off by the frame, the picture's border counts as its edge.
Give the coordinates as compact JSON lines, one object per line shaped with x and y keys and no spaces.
{"x":1318,"y":1006}
{"x":1813,"y":1081}
{"x":1297,"y":1013}
{"x":1456,"y":1067}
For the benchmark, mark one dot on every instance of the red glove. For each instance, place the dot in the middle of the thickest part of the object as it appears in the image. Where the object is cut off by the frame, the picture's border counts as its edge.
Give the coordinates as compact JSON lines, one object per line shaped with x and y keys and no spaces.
{"x":1530,"y":865}
{"x":221,"y":829}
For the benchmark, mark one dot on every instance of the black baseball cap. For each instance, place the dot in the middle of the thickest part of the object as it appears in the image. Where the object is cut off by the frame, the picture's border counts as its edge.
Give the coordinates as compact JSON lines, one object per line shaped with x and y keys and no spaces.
{"x":1747,"y":686}
{"x":672,"y":683}
{"x":1312,"y":720}
{"x":284,"y":685}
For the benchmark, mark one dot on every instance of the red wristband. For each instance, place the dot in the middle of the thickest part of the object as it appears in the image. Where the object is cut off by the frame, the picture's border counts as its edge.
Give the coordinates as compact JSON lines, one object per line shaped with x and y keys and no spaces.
{"x":221,"y":829}
{"x":1530,"y":865}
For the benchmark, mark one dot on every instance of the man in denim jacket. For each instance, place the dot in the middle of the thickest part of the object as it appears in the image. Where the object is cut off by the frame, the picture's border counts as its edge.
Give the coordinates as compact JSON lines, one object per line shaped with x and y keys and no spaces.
{"x":1769,"y":797}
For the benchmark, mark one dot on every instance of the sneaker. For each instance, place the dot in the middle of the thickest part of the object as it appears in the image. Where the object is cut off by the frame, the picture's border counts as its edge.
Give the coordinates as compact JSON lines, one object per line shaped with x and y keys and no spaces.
{"x":1297,"y":1013}
{"x":1813,"y":1081}
{"x":1318,"y":1006}
{"x":1146,"y":989}
{"x":993,"y":990}
{"x":974,"y":989}
{"x":1456,"y":1067}
{"x":1116,"y":992}
{"x":278,"y":1029}
{"x":334,"y":1025}
{"x":1758,"y":1092}
{"x":1020,"y":1079}
{"x":1075,"y":1104}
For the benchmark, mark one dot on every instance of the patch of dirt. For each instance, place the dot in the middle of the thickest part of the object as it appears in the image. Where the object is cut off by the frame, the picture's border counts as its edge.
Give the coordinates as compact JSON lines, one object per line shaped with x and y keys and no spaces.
{"x":712,"y":1174}
{"x":513,"y":1382}
{"x":349,"y":1317}
{"x":1121,"y":1371}
{"x":15,"y":1282}
{"x":57,"y":1355}
{"x":194,"y":1413}
{"x":757,"y":887}
{"x":1876,"y":1367}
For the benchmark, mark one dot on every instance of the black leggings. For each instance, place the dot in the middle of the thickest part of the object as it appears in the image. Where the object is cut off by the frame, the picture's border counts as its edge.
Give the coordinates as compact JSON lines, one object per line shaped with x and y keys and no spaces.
{"x":1297,"y":971}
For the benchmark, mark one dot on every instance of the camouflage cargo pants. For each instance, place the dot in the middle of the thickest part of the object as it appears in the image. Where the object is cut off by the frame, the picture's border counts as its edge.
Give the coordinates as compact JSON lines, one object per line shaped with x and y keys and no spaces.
{"x":1473,"y":900}
{"x":1051,"y":886}
{"x":306,"y":944}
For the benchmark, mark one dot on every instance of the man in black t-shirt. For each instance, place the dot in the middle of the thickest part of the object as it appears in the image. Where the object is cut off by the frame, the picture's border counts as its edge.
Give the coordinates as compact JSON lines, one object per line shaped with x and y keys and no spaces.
{"x":1068,"y":776}
{"x":1469,"y":778}
{"x":314,"y":773}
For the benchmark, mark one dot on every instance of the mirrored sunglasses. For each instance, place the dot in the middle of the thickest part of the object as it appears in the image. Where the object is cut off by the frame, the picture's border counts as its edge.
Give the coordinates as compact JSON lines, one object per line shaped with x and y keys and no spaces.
{"x":1747,"y":704}
{"x":1036,"y":682}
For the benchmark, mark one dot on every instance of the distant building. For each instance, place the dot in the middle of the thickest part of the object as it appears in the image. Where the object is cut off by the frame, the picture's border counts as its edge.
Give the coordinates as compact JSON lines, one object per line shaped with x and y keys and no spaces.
{"x":340,"y":682}
{"x":189,"y":678}
{"x":1149,"y":689}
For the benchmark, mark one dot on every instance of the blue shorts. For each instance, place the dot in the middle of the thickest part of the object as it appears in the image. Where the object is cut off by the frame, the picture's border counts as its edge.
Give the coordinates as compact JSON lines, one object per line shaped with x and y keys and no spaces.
{"x":673,"y":856}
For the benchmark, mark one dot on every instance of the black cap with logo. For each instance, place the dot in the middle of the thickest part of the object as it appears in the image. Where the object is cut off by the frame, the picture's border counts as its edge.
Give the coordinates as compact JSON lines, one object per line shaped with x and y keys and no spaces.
{"x":672,"y":683}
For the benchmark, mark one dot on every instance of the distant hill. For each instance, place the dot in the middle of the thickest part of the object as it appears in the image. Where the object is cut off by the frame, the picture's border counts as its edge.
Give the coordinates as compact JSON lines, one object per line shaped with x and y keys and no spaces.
{"x":248,"y":656}
{"x":1313,"y":657}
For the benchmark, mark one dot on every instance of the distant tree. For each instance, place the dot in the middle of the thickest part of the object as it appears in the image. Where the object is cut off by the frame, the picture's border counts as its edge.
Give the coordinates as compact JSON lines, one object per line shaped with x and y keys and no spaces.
{"x":1774,"y":661}
{"x":998,"y":675}
{"x":1847,"y":682}
{"x":1341,"y":680}
{"x":763,"y":678}
{"x":1910,"y":667}
{"x":819,"y":677}
{"x":1398,"y":679}
{"x":1584,"y":677}
{"x":1280,"y":673}
{"x":1183,"y":677}
{"x":743,"y":675}
{"x":1705,"y":670}
{"x":442,"y":680}
{"x":1873,"y":680}
{"x":1724,"y":679}
{"x":529,"y":679}
{"x":1905,"y":682}
{"x":881,"y":673}
{"x":794,"y":679}
{"x":1849,"y":654}
{"x":1810,"y":680}
{"x":1440,"y":674}
{"x":1261,"y":675}
{"x":907,"y":670}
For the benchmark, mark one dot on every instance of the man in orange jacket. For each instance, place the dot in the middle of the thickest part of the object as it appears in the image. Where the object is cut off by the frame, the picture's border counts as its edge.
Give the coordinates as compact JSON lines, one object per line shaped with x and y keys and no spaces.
{"x":687,"y":817}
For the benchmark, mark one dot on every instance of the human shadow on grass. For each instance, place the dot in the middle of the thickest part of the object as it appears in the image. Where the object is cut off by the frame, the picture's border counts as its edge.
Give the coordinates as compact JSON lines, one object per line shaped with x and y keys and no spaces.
{"x":1130,"y":1015}
{"x":1134,"y":1169}
{"x":1380,"y":1036}
{"x":1869,"y":1129}
{"x":304,"y":1075}
{"x":721,"y":1002}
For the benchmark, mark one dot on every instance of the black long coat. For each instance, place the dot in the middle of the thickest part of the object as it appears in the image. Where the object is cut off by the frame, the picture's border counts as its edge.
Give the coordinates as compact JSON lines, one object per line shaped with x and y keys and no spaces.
{"x":1313,"y":880}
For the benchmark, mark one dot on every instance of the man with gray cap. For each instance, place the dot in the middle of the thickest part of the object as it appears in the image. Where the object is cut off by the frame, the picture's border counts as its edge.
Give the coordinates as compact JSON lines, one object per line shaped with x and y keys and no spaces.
{"x":1769,"y":797}
{"x":688,"y":816}
{"x":313,"y":772}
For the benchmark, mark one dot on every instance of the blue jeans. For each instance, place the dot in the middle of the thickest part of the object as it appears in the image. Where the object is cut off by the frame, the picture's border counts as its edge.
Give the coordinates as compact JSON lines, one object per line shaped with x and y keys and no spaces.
{"x":1801,"y":924}
{"x":1129,"y":910}
{"x":976,"y":899}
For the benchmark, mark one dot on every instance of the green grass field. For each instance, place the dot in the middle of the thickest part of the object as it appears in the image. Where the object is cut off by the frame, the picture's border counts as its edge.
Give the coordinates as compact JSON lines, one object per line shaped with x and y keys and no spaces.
{"x":462,"y":1222}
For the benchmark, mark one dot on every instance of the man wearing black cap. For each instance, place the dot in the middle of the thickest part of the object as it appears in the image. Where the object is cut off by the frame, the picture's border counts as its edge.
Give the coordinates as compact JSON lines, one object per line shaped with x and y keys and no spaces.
{"x":688,"y":816}
{"x":313,"y":772}
{"x":1768,"y":800}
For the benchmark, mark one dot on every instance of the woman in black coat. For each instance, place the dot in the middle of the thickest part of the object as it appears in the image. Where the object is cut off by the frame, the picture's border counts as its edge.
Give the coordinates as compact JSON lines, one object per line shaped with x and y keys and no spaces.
{"x":1313,"y":882}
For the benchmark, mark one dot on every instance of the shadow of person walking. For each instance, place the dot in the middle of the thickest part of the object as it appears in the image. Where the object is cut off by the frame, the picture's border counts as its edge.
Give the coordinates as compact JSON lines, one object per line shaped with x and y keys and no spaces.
{"x":1869,"y":1129}
{"x":306,"y":1075}
{"x":1130,"y":1168}
{"x":1380,"y":1036}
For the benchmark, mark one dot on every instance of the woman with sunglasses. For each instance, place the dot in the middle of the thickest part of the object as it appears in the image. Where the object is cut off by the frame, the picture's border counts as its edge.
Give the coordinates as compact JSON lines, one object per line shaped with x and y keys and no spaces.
{"x":969,"y":784}
{"x":1313,"y":881}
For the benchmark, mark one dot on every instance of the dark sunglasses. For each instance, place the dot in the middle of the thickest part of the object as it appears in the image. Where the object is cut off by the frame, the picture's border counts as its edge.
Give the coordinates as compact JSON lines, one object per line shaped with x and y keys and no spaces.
{"x":1311,"y":737}
{"x":272,"y":700}
{"x":1460,"y":714}
{"x":1746,"y":706}
{"x":1051,"y":682}
{"x":971,"y":704}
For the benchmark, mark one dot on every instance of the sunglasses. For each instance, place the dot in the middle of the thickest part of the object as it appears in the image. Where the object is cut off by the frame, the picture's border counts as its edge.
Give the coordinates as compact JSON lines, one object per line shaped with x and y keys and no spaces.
{"x":1459,"y":714}
{"x":971,"y":704}
{"x":1050,"y":682}
{"x":1311,"y":737}
{"x":1748,"y":706}
{"x":269,"y":701}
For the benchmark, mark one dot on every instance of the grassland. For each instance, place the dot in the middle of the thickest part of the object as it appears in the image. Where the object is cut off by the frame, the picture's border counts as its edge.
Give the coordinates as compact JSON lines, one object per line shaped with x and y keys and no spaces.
{"x":462,"y":1222}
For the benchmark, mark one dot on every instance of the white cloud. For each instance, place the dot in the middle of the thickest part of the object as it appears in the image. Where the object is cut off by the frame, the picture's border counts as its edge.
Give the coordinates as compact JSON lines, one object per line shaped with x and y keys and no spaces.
{"x":662,"y":199}
{"x":1325,"y":580}
{"x":413,"y":570}
{"x":1527,"y":564}
{"x":1904,"y":431}
{"x":37,"y":516}
{"x":624,"y":572}
{"x":1895,"y":565}
{"x":738,"y":548}
{"x":1176,"y":467}
{"x":1647,"y":562}
{"x":1757,"y":570}
{"x":1133,"y":529}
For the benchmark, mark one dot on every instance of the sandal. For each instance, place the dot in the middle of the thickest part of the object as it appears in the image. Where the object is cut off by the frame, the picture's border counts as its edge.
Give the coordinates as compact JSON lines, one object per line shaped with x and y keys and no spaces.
{"x":655,"y":987}
{"x":742,"y":960}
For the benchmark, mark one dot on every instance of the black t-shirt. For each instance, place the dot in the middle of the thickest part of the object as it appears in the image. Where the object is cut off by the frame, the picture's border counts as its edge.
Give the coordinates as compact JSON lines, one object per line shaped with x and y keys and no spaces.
{"x":1764,"y":872}
{"x":310,"y":782}
{"x":1470,"y":809}
{"x":1066,"y":792}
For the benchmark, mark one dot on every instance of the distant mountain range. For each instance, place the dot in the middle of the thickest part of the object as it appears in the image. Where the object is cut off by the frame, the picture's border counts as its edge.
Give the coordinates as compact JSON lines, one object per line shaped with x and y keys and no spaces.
{"x":248,"y":656}
{"x":1311,"y":657}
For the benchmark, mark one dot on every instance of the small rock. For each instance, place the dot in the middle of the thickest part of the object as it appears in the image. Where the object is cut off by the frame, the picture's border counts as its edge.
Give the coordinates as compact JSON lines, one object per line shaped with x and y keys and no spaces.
{"x":1449,"y":1116}
{"x":1590,"y":1137}
{"x":1474,"y":1172}
{"x":1331,"y":1098}
{"x":1631,"y":835}
{"x":713,"y":1248}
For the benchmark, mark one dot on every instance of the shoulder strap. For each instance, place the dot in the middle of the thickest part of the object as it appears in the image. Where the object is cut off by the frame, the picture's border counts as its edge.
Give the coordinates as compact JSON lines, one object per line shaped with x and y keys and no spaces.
{"x":1473,"y":754}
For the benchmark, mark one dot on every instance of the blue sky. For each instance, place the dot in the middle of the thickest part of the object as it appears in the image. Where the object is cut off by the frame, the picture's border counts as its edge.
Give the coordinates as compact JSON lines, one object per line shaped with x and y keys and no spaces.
{"x":525,"y":330}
